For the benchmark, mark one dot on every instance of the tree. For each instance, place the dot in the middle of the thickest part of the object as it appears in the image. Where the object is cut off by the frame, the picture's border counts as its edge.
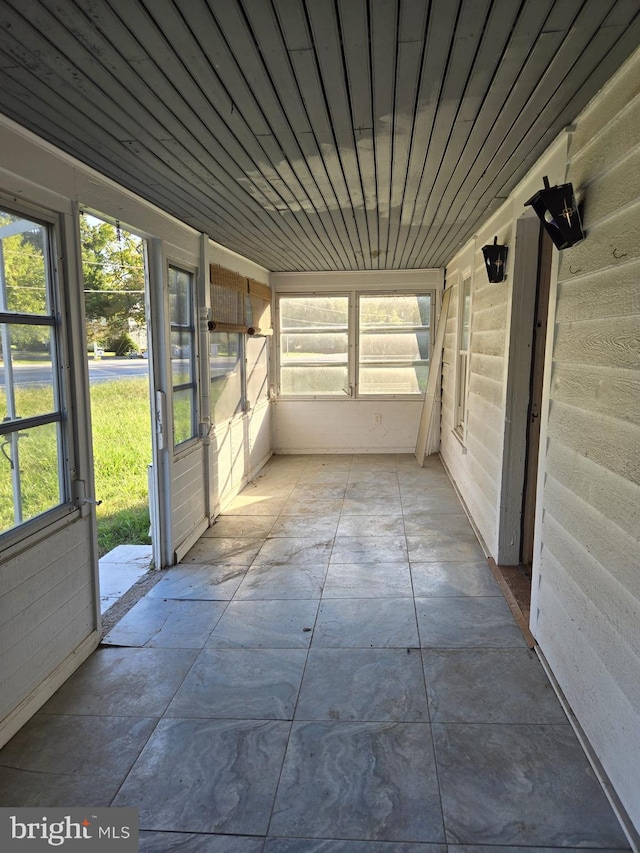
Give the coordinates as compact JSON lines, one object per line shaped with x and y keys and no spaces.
{"x":113,"y":269}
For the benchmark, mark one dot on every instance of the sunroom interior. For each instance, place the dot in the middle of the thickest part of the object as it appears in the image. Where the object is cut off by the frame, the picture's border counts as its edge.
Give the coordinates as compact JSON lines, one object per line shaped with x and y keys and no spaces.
{"x":314,"y":182}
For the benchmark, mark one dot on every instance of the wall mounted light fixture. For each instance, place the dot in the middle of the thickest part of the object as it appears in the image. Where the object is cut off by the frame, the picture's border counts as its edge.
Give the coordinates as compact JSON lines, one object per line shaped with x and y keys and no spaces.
{"x":557,"y":210}
{"x":495,"y":259}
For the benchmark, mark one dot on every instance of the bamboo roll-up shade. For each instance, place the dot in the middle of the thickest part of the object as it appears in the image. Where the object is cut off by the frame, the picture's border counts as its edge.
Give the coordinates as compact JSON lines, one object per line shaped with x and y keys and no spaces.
{"x":228,"y":292}
{"x":260,"y":302}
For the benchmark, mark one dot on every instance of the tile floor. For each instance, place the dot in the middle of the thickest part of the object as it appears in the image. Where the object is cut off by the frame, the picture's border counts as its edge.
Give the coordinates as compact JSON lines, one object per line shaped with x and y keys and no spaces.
{"x":332,"y":669}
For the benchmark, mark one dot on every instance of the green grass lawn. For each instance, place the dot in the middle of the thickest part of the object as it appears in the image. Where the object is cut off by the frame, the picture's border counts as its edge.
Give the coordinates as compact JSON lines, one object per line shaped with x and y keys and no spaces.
{"x":122,"y":450}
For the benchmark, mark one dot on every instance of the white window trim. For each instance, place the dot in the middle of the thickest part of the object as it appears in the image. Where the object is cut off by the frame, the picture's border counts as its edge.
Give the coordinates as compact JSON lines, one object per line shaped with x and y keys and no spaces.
{"x":462,"y":360}
{"x":181,"y":266}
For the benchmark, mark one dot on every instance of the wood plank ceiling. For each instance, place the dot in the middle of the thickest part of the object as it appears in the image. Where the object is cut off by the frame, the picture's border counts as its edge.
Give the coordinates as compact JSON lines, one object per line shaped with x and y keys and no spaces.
{"x":312,"y":134}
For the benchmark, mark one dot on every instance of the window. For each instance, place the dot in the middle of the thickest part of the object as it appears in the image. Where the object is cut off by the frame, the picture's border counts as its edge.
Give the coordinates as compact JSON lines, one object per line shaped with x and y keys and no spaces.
{"x":325,"y":352}
{"x":183,"y":345}
{"x":32,"y":470}
{"x":393,"y":344}
{"x":463,"y":353}
{"x":314,"y":345}
{"x":225,"y":364}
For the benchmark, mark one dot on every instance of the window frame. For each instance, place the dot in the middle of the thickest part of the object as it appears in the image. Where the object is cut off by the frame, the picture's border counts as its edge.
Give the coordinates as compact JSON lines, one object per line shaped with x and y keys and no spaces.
{"x":359,"y":294}
{"x":192,"y":329}
{"x":463,"y":356}
{"x":353,"y":336}
{"x":55,"y":320}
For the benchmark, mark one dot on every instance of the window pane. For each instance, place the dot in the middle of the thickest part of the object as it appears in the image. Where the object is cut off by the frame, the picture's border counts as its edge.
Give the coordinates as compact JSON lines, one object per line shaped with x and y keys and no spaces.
{"x":23,"y":258}
{"x":314,"y":345}
{"x":31,"y":371}
{"x":226,"y":375}
{"x":393,"y":346}
{"x":395,"y":311}
{"x":393,"y":379}
{"x":183,"y":417}
{"x":181,"y":361}
{"x":257,"y":370}
{"x":180,"y":283}
{"x":389,"y":346}
{"x":29,"y":474}
{"x":466,"y":313}
{"x":310,"y":379}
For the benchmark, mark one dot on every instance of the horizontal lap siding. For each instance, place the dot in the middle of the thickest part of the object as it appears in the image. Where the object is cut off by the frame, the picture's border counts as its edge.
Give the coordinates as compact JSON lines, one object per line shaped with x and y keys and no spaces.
{"x":588,"y":601}
{"x":187,"y":495}
{"x":46,"y":610}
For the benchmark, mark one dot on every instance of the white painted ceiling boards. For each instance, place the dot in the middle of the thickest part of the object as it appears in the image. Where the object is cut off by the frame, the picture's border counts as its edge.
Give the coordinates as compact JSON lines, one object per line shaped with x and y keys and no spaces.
{"x":312,"y":134}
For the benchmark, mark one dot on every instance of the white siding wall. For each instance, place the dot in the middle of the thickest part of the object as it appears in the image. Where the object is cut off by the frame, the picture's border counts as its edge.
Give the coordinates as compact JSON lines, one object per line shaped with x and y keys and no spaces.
{"x":587,"y":577}
{"x":475,"y":461}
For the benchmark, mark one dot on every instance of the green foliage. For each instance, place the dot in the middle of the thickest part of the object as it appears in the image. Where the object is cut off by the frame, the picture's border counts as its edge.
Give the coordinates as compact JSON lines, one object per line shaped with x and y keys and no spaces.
{"x":113,"y":270}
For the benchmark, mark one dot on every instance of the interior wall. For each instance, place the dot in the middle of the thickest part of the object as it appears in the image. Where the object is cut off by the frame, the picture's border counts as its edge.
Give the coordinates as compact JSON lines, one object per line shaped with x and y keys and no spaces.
{"x":586,"y":609}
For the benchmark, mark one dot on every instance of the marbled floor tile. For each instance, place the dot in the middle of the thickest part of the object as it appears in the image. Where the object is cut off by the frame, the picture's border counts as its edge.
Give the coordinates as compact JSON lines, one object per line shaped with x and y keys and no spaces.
{"x":265,"y":625}
{"x":165,"y":623}
{"x":420,"y":521}
{"x":258,"y":684}
{"x":440,"y":501}
{"x":452,"y":578}
{"x":489,"y":686}
{"x":294,"y":550}
{"x":443,"y":547}
{"x":308,"y":506}
{"x":521,"y":785}
{"x":243,"y":526}
{"x":365,"y":489}
{"x":360,"y":781}
{"x":363,"y":684}
{"x":207,"y":776}
{"x":366,"y":623}
{"x":250,"y":503}
{"x":308,"y":845}
{"x":24,"y":788}
{"x":123,"y":682}
{"x":369,"y":549}
{"x":376,"y":525}
{"x":463,"y":623}
{"x":371,"y":506}
{"x":272,"y":582}
{"x":317,"y":491}
{"x":321,"y":528}
{"x":368,"y":580}
{"x":67,"y":745}
{"x":184,"y":842}
{"x":200,"y":582}
{"x":236,"y":551}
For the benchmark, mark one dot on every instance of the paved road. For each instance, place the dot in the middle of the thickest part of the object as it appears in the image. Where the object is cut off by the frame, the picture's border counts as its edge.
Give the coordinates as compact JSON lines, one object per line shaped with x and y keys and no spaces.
{"x":102,"y":370}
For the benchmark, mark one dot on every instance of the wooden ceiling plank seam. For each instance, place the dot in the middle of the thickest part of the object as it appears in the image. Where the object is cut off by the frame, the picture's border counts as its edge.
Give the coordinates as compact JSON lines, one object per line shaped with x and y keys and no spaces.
{"x":384,"y":53}
{"x":573,"y":66}
{"x":471,"y":21}
{"x":411,"y":57}
{"x":436,"y":57}
{"x":90,"y":110}
{"x":67,"y":140}
{"x":527,"y":30}
{"x":183,"y":101}
{"x":283,"y":141}
{"x":353,"y":21}
{"x":492,"y":47}
{"x":307,"y":75}
{"x":263,"y":21}
{"x":323,"y":24}
{"x":611,"y":44}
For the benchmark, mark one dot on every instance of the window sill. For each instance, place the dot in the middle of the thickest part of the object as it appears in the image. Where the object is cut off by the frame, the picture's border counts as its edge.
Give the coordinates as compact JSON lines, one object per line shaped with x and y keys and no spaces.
{"x":458,"y":434}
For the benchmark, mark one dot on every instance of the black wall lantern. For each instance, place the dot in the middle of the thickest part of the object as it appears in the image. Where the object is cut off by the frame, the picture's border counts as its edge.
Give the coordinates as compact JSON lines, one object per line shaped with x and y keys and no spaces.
{"x":557,"y":210}
{"x":495,"y":258}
